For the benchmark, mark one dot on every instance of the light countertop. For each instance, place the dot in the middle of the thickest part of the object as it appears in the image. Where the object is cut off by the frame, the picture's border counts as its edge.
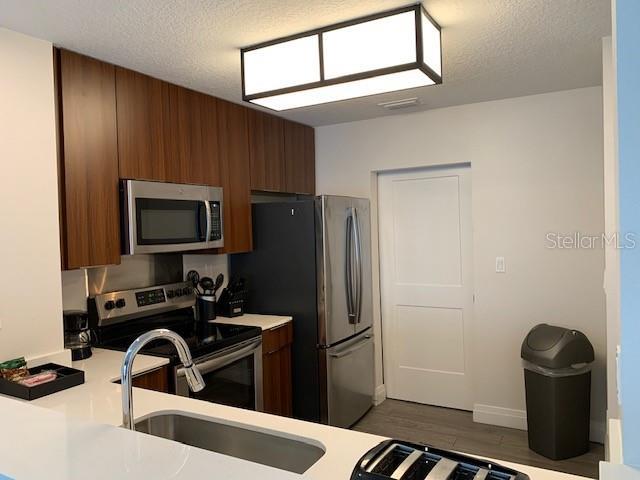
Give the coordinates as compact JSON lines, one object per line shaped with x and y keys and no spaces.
{"x":104,"y":365}
{"x":84,"y":443}
{"x":38,"y":443}
{"x":266,"y":322}
{"x":101,"y":402}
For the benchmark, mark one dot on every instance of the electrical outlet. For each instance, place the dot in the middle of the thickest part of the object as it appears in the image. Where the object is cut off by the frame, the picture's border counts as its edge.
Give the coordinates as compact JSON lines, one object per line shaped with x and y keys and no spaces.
{"x":500,"y":266}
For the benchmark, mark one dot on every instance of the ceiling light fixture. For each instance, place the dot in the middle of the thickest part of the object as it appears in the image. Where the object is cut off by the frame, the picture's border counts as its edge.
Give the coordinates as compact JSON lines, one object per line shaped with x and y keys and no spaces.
{"x":381,"y":53}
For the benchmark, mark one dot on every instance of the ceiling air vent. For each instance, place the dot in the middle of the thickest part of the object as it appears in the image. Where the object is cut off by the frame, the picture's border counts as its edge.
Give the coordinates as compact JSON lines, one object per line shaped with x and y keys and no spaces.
{"x":398,"y":104}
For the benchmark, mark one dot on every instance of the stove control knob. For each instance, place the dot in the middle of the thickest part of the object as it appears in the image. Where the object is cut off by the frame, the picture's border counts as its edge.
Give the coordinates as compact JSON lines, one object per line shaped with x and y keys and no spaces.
{"x":170,"y":294}
{"x":109,"y":305}
{"x":178,"y":292}
{"x":187,"y":290}
{"x":120,"y":303}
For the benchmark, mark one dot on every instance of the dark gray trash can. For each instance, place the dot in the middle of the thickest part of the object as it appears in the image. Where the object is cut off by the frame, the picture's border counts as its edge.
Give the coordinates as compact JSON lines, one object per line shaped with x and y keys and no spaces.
{"x":557,"y":376}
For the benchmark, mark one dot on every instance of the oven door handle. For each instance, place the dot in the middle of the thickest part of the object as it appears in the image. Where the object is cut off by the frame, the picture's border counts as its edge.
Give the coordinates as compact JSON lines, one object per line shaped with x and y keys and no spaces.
{"x":224,"y":358}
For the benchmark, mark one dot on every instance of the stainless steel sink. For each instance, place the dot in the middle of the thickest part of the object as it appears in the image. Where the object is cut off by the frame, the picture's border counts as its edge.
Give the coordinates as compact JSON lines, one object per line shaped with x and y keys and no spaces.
{"x":268,"y":449}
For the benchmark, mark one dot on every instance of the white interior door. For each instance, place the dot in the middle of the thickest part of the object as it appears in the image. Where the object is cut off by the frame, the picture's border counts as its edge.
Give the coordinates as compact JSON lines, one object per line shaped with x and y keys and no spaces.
{"x":426,"y":284}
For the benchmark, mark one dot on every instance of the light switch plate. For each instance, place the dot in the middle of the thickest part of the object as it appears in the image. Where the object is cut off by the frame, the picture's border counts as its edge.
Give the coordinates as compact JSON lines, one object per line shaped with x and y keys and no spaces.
{"x":500,"y":266}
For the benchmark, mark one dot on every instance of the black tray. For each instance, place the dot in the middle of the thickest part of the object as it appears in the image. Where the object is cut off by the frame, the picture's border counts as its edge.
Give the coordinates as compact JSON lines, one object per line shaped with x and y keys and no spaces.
{"x":67,"y":378}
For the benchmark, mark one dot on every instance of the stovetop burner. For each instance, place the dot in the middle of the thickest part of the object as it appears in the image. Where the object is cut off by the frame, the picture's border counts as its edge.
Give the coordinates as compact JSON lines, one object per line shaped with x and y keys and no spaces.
{"x":202,"y":338}
{"x":115,"y":327}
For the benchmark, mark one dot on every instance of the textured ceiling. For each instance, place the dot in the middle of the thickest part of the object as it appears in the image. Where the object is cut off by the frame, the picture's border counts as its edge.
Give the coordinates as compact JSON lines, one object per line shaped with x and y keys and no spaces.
{"x":492,"y":48}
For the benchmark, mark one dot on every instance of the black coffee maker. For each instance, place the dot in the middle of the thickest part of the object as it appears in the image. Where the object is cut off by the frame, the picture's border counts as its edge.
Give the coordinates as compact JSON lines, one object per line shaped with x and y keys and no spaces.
{"x":77,"y":336}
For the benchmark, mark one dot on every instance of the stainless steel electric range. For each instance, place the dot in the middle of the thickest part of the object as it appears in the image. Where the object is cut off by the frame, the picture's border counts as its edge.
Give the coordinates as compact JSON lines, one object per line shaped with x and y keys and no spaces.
{"x":228,"y":356}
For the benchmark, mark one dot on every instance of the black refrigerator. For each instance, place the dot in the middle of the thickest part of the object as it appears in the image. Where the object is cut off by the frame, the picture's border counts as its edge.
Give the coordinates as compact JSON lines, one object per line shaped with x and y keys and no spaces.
{"x":311,"y":259}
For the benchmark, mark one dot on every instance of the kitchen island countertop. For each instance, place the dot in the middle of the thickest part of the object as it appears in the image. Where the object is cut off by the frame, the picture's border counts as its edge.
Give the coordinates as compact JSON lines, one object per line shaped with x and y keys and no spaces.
{"x":77,"y":432}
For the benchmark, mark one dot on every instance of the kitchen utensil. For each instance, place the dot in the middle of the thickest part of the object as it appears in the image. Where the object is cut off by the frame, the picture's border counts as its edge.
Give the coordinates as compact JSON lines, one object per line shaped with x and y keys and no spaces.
{"x":193,"y":277}
{"x":218,"y":284}
{"x":207,"y":284}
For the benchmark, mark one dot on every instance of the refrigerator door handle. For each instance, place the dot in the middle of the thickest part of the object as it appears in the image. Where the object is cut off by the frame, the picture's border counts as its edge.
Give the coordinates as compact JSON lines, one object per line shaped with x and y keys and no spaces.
{"x":358,"y":265}
{"x":354,"y":348}
{"x":349,"y":280}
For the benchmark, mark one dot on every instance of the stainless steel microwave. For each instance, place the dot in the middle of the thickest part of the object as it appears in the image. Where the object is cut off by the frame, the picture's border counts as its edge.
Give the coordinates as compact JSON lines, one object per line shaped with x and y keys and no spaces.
{"x":170,"y":217}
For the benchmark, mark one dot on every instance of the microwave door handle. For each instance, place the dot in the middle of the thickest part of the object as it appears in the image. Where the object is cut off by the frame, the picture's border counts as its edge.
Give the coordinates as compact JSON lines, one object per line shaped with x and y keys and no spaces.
{"x":207,"y":209}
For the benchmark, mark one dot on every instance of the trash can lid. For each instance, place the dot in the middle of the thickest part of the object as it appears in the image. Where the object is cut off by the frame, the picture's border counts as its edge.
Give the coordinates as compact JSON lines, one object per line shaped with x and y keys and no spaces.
{"x":556,"y":347}
{"x":544,"y":337}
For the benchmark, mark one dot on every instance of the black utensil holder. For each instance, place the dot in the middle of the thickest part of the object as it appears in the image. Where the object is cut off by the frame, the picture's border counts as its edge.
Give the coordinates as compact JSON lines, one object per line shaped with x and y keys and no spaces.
{"x":206,"y":308}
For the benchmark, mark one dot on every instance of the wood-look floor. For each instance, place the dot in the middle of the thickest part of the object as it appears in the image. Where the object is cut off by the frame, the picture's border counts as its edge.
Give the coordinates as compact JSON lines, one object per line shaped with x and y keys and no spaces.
{"x":455,"y":429}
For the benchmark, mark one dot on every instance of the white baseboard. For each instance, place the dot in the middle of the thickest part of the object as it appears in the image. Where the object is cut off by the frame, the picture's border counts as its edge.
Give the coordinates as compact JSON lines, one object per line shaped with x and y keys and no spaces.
{"x":503,"y":417}
{"x":510,"y":418}
{"x":62,"y":357}
{"x":380,"y":394}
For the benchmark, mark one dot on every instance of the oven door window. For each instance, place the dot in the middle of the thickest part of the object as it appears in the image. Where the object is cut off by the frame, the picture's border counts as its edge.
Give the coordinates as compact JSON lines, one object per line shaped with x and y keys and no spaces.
{"x":232,"y":385}
{"x":161,"y":222}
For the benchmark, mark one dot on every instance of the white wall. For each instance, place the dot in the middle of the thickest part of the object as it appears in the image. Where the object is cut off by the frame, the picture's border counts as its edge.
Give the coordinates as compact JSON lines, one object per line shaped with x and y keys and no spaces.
{"x":74,"y":289}
{"x":537,"y":167}
{"x":207,"y":266}
{"x":30,"y":291}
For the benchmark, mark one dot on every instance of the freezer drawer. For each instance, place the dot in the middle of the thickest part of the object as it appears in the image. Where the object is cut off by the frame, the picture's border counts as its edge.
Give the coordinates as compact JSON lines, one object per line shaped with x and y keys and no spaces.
{"x":350,"y":380}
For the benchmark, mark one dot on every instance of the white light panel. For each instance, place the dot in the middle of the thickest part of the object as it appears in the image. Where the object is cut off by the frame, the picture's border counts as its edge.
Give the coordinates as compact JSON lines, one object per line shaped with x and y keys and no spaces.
{"x":363,"y":49}
{"x":342,"y":91}
{"x":431,"y":45}
{"x":282,"y":65}
{"x":380,"y":43}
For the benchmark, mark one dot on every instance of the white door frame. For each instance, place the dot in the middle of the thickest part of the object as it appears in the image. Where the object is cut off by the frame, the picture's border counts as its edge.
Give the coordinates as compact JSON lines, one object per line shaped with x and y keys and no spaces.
{"x":387,"y":353}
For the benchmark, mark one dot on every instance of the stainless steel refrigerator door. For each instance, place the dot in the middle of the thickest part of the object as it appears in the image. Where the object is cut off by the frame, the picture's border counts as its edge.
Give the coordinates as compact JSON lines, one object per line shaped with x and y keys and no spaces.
{"x":344,"y":267}
{"x":350,"y":380}
{"x":331,"y":229}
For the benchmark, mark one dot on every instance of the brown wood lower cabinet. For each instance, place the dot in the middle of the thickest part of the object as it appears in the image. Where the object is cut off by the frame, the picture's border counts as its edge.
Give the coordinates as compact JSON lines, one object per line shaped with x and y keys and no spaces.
{"x":157,"y":380}
{"x":276,"y":368}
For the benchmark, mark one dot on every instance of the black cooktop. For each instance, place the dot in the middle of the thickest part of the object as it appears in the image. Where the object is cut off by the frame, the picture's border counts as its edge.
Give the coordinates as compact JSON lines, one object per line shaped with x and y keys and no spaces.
{"x":203,"y":338}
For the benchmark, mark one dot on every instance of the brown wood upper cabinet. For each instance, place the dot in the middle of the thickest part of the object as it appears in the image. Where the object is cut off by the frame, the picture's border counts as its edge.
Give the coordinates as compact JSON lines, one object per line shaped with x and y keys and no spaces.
{"x":165,"y":132}
{"x":116,"y":123}
{"x":266,"y":149}
{"x":233,"y":141}
{"x":88,"y":161}
{"x":299,"y":155}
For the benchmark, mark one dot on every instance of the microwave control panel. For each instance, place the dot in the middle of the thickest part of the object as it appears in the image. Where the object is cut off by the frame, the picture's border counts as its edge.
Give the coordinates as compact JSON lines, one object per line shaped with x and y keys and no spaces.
{"x":216,"y":221}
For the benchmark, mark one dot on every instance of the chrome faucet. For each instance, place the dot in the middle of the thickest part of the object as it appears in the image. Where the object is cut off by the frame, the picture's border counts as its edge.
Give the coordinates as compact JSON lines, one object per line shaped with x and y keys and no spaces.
{"x":194,"y":378}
